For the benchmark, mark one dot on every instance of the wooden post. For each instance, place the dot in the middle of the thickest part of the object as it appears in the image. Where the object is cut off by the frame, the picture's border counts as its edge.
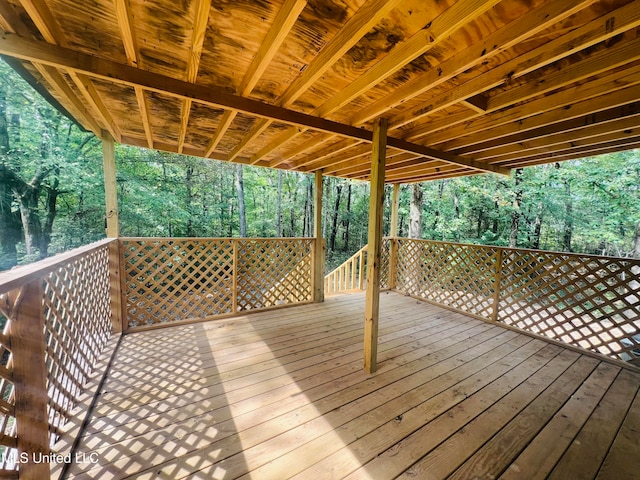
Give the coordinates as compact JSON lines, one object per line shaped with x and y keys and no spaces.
{"x":110,"y":186}
{"x":376,"y":203}
{"x":318,"y":251}
{"x":117,"y":317}
{"x":393,"y":233}
{"x":498,"y":280}
{"x":30,"y":380}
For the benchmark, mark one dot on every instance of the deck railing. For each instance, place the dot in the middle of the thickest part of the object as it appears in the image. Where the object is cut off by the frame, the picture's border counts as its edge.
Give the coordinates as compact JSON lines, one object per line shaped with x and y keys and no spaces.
{"x":587,"y":301}
{"x":56,"y":318}
{"x":169,"y":280}
{"x":351,"y":274}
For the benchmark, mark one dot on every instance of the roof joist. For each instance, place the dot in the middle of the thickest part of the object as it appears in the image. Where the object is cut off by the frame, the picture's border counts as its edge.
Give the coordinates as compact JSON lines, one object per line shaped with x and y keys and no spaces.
{"x":94,"y":67}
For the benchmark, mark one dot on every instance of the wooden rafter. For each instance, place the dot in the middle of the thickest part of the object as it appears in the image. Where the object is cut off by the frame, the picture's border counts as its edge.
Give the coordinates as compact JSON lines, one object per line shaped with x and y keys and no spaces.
{"x":48,"y":27}
{"x":511,"y":34}
{"x":123,"y":14}
{"x":627,"y":17}
{"x":200,"y":22}
{"x":402,"y":54}
{"x":214,"y":97}
{"x":362,"y":21}
{"x":282,"y":25}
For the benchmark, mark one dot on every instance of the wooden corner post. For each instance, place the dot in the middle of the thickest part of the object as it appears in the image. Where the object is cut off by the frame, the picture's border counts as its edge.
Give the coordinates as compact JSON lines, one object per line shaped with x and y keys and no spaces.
{"x":393,"y":233}
{"x":376,"y":204}
{"x":318,"y":249}
{"x":30,"y":379}
{"x":110,"y":185}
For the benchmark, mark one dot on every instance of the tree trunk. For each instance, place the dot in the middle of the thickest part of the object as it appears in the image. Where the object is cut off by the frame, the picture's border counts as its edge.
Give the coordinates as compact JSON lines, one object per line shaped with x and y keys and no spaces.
{"x":635,"y":252}
{"x":334,"y":221}
{"x":568,"y":218}
{"x":456,"y":210}
{"x":415,"y":211}
{"x":279,"y":206}
{"x":347,"y":221}
{"x":188,"y":182}
{"x":437,"y":213}
{"x":241,"y":208}
{"x":537,"y":226}
{"x":515,"y":214}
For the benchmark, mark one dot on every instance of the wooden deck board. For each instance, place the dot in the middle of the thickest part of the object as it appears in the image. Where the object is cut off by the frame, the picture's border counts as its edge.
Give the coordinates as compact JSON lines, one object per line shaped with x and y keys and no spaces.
{"x":283,"y":394}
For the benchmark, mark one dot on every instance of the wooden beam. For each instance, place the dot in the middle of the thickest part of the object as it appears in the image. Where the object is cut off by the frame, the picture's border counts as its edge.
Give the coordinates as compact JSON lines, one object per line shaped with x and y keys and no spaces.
{"x":30,"y":380}
{"x":212,"y":96}
{"x":110,"y":186}
{"x":318,"y":260}
{"x":374,"y":251}
{"x":395,"y":205}
{"x":393,"y":233}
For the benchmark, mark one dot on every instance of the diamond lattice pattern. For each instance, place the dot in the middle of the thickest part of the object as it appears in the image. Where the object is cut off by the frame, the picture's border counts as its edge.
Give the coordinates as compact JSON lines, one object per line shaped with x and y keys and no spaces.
{"x":8,"y":440}
{"x":273,"y":272}
{"x":458,"y":276}
{"x":591,"y":302}
{"x":176,"y":279}
{"x":77,"y":315}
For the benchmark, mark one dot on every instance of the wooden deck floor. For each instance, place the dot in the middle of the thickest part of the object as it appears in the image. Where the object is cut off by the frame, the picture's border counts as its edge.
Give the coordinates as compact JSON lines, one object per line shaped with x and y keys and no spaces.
{"x":282,"y":394}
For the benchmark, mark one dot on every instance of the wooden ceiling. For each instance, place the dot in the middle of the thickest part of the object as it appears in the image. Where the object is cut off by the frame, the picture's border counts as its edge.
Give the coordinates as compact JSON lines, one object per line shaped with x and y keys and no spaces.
{"x":467,"y":86}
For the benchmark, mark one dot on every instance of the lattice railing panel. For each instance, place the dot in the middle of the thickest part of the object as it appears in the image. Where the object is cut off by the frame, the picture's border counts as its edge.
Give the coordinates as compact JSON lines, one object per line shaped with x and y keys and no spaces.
{"x":458,"y":276}
{"x":592,"y":302}
{"x":384,"y":263}
{"x":77,"y":316}
{"x":168,"y":280}
{"x":273,"y":272}
{"x":8,"y":440}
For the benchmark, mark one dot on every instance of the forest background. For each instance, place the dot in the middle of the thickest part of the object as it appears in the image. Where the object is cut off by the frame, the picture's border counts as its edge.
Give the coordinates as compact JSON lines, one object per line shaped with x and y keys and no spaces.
{"x":52,"y":196}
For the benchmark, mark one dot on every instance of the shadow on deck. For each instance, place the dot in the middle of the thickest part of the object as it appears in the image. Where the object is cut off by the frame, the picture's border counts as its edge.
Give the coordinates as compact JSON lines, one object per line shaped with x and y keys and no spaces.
{"x":282,"y":394}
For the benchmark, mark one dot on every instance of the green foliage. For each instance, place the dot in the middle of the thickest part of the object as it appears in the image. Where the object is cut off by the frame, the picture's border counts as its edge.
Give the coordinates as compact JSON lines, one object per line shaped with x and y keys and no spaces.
{"x":163,"y":194}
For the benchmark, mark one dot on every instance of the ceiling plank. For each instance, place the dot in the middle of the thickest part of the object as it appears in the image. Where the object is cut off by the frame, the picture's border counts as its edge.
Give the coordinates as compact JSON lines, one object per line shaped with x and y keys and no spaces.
{"x":200,"y":22}
{"x":459,"y":14}
{"x":597,"y":94}
{"x":45,"y":22}
{"x":11,"y":23}
{"x":506,"y":37}
{"x":123,"y":16}
{"x":603,"y":116}
{"x":212,"y":96}
{"x":282,"y":25}
{"x":367,"y":16}
{"x":601,"y":29}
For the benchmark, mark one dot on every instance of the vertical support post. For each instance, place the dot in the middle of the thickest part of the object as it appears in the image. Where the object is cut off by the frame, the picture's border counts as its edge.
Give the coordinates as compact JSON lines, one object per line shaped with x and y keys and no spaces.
{"x":117,"y":324}
{"x":30,"y":379}
{"x":498,"y":282}
{"x":376,"y":203}
{"x":393,"y":233}
{"x":110,"y":185}
{"x":318,"y":251}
